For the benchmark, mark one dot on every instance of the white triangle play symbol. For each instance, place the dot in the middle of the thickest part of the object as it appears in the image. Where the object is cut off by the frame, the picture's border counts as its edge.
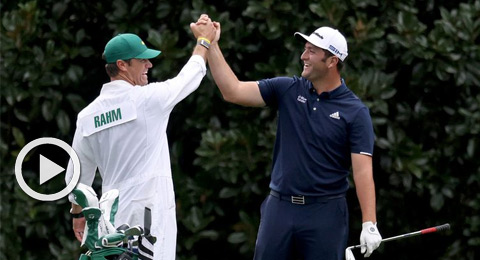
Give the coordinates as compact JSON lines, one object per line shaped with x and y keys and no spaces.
{"x":48,"y":169}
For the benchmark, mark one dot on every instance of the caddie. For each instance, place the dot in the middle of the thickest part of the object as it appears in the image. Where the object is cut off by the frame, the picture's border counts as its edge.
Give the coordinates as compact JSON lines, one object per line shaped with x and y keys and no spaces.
{"x":122,"y":133}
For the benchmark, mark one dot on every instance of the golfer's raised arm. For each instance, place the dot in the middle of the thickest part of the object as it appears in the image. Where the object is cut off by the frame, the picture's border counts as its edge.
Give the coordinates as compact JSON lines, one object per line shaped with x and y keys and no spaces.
{"x":244,"y":93}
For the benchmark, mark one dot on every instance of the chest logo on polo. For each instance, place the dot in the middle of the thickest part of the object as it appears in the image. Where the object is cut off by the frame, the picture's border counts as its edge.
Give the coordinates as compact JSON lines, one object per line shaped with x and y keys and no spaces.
{"x":107,"y":117}
{"x":335,"y":115}
{"x":301,"y":99}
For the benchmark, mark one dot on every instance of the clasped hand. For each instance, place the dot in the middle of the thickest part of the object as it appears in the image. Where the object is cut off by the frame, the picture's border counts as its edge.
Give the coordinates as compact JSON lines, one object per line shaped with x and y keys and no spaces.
{"x":204,"y":27}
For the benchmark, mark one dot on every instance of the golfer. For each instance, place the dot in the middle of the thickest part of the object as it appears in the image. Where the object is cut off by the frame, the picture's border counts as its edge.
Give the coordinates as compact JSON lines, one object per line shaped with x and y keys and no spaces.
{"x":323,"y":131}
{"x":122,"y":133}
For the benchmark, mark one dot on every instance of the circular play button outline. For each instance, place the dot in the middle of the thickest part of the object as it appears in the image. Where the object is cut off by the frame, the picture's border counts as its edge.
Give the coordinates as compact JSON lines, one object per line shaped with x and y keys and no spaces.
{"x":40,"y":196}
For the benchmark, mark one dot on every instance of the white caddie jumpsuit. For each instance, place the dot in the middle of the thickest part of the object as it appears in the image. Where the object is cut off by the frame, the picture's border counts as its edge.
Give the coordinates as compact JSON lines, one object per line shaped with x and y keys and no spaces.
{"x":123,"y":134}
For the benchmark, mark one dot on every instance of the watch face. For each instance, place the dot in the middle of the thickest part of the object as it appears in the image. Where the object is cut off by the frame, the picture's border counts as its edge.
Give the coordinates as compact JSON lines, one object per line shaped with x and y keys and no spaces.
{"x":204,"y":43}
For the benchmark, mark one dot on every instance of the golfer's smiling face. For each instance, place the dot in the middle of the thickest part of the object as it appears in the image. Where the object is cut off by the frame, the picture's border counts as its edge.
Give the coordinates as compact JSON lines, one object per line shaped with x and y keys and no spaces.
{"x":314,"y":65}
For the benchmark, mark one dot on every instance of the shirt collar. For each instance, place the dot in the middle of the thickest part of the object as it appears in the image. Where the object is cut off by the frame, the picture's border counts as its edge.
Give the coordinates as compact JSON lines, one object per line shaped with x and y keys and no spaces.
{"x":116,"y":86}
{"x":331,"y":94}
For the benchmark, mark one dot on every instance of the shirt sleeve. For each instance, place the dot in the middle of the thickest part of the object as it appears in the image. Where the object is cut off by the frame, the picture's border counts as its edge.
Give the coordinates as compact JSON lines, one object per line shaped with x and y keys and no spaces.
{"x":88,"y":165}
{"x":361,"y":133}
{"x":170,"y":92}
{"x":273,"y":89}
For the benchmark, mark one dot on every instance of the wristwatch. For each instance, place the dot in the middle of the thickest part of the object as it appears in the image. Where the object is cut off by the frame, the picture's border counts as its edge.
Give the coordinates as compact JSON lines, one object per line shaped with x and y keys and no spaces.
{"x":76,"y":215}
{"x":204,"y":42}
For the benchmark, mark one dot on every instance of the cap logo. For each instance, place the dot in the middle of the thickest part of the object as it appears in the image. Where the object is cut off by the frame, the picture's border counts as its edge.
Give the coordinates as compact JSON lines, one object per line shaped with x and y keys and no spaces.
{"x":334,"y":49}
{"x":143,"y":43}
{"x":321,"y":37}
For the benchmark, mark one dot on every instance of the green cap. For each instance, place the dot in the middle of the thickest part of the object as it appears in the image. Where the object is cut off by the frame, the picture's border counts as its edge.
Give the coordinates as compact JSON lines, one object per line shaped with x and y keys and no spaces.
{"x":127,"y":46}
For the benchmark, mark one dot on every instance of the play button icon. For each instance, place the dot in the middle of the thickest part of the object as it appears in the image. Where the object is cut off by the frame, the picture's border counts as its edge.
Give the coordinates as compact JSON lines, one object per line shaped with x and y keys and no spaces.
{"x":48,"y":169}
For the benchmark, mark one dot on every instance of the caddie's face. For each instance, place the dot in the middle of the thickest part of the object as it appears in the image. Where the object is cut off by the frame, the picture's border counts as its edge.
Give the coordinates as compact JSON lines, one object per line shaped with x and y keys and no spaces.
{"x":137,"y":71}
{"x":314,"y":66}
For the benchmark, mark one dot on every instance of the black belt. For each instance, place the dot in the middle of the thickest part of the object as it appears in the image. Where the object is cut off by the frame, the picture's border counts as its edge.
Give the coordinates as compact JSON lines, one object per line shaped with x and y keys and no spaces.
{"x":300,"y":199}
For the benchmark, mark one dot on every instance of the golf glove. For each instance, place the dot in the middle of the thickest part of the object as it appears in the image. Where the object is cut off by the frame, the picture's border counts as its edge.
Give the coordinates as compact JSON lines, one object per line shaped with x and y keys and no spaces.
{"x":370,"y":237}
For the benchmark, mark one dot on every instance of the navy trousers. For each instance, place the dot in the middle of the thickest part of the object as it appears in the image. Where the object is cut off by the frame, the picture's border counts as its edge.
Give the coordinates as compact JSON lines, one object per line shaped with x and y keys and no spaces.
{"x":316,"y":231}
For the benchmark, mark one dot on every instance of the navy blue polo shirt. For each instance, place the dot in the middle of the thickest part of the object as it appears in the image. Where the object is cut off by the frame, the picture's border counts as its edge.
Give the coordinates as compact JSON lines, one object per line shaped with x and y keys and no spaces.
{"x":316,"y":135}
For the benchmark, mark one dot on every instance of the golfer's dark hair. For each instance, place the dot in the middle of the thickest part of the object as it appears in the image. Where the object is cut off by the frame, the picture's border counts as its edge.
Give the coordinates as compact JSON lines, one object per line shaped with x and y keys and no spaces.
{"x":112,"y":68}
{"x":340,"y":62}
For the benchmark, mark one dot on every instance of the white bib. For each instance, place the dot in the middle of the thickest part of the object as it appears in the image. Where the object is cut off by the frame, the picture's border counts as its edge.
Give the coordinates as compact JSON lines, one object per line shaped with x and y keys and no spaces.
{"x":108,"y":117}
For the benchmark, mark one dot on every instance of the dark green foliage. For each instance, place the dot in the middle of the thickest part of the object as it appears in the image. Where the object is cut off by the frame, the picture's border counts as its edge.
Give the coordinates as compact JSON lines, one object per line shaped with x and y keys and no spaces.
{"x":416,"y":64}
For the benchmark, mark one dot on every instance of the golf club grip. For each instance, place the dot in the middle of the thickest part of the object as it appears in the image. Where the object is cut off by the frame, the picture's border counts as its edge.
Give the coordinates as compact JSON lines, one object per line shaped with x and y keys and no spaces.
{"x":421,"y":232}
{"x":435,"y":229}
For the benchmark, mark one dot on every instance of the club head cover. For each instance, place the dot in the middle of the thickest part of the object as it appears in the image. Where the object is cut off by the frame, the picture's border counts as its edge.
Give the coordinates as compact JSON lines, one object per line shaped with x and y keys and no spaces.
{"x":145,"y":248}
{"x":92,"y":231}
{"x":109,"y":205}
{"x":84,"y":196}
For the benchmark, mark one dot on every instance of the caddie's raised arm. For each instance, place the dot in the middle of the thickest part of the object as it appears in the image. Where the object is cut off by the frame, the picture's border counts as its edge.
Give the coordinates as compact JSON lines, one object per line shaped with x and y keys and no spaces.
{"x":245,"y":93}
{"x":204,"y":33}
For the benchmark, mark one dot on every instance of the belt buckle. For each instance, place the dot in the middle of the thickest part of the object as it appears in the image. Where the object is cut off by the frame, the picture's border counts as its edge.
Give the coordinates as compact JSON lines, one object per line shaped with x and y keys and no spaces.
{"x":298,"y":200}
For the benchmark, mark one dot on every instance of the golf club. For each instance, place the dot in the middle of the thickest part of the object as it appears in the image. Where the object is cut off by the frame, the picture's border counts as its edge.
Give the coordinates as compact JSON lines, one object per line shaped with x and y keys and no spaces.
{"x":348,"y":250}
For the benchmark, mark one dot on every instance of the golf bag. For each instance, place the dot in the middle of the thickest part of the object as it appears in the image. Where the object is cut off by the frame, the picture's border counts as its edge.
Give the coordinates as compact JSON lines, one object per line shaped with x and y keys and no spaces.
{"x":103,"y":241}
